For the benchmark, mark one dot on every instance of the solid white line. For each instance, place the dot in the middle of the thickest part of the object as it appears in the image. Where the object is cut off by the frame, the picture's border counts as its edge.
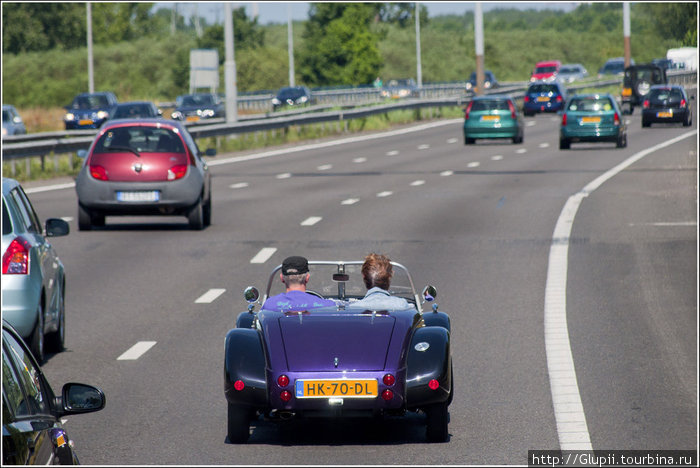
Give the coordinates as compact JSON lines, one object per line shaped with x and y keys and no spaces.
{"x":566,"y":398}
{"x":209,"y":296}
{"x":48,"y":188}
{"x":136,"y":351}
{"x":682,"y":223}
{"x":264,"y":255}
{"x":311,"y":220}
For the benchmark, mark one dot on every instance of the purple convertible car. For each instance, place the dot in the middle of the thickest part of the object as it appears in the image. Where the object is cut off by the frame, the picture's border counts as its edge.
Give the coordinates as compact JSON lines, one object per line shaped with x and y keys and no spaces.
{"x":342,"y":360}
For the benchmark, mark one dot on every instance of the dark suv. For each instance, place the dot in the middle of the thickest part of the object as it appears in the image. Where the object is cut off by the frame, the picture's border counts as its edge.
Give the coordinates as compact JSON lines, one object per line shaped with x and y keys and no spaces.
{"x":637,"y":82}
{"x":89,"y":110}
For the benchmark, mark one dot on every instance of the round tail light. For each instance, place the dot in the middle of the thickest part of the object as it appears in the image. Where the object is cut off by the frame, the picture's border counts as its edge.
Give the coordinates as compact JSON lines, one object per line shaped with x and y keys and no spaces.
{"x":387,"y":395}
{"x":238,"y":385}
{"x":389,"y":380}
{"x":285,"y":395}
{"x":283,"y":381}
{"x":433,"y":384}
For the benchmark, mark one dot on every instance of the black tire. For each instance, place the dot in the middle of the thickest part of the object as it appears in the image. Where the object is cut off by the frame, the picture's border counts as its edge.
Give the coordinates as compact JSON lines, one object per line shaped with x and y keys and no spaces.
{"x":238,"y":423}
{"x":518,"y":139}
{"x":207,"y":211}
{"x":55,"y":341}
{"x":196,"y":217}
{"x":469,"y":141}
{"x":36,"y":340}
{"x":622,"y":141}
{"x":564,"y":144}
{"x":437,"y":419}
{"x":688,"y":121}
{"x":645,"y":123}
{"x":84,"y":219}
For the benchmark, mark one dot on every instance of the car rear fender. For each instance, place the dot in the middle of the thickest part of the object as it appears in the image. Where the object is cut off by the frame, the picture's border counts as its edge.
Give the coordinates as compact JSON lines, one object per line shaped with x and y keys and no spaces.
{"x":245,"y":361}
{"x":428,"y":359}
{"x":245,"y":320}
{"x":437,"y":319}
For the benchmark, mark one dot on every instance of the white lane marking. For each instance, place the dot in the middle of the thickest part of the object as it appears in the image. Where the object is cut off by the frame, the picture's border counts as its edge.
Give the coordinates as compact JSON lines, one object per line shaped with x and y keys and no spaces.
{"x":544,"y":145}
{"x":264,"y":255}
{"x":422,"y":147}
{"x":474,"y":164}
{"x":359,"y":160}
{"x":385,"y":194}
{"x":239,"y":185}
{"x":566,"y":398}
{"x":521,"y":151}
{"x":311,"y":220}
{"x":48,"y":188}
{"x":350,"y":201}
{"x":530,"y":124}
{"x":666,"y":224}
{"x":209,"y":296}
{"x":324,"y":167}
{"x":284,"y":175}
{"x":446,"y":173}
{"x":67,"y":219}
{"x":497,"y":157}
{"x":392,"y":153}
{"x":452,"y":140}
{"x":136,"y":351}
{"x":416,"y":183}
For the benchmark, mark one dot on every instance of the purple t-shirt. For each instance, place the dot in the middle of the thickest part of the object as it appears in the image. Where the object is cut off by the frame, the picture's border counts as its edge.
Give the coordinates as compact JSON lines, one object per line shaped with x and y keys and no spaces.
{"x":296,"y":300}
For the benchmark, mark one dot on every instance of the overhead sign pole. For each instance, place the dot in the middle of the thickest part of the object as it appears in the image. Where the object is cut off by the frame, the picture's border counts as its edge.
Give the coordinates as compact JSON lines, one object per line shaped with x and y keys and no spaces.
{"x":230,"y":67}
{"x":626,"y":32}
{"x":479,"y":46}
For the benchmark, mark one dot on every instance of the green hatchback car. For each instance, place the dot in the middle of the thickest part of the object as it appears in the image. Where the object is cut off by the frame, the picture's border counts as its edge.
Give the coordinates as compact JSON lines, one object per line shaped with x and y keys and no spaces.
{"x":492,"y":117}
{"x":592,"y":118}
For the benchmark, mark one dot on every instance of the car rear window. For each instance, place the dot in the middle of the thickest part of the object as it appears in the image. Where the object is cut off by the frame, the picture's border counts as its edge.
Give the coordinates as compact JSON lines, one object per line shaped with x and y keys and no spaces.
{"x":590,"y":104}
{"x":543,"y":88}
{"x":547,"y":69}
{"x":490,"y":104}
{"x":662,"y":95}
{"x":141,"y":139}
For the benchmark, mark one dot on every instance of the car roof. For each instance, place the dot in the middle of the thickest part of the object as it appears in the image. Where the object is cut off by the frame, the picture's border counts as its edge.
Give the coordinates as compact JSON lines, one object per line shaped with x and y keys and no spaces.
{"x":132,"y":103}
{"x":154,"y":122}
{"x":8,"y":184}
{"x":593,"y":95}
{"x":491,"y":97}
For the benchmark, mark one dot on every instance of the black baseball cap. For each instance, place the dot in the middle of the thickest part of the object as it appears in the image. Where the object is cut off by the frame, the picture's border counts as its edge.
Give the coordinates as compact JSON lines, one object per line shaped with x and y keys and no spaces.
{"x":295,"y":265}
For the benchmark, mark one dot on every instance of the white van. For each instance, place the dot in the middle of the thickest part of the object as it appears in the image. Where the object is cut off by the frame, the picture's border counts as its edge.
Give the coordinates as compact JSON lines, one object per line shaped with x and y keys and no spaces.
{"x":685,"y":58}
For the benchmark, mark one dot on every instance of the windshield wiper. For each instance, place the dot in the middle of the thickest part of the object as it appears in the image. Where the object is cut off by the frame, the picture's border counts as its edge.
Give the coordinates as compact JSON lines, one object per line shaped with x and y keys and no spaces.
{"x":124,"y":148}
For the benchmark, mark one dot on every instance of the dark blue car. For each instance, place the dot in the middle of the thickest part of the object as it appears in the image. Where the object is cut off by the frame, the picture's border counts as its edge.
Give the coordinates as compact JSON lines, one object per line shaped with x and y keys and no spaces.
{"x":339,"y":361}
{"x":89,"y":110}
{"x":544,"y":97}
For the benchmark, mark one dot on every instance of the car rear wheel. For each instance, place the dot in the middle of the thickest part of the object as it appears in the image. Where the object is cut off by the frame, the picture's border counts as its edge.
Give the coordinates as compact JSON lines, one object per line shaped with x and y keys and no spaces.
{"x":196,"y":217}
{"x":207,"y":211}
{"x":645,"y":123}
{"x":469,"y":141}
{"x":518,"y":139}
{"x":238,"y":424}
{"x":84,"y":219}
{"x":688,"y":121}
{"x":564,"y":144}
{"x":437,"y":422}
{"x":622,"y":141}
{"x":55,"y":340}
{"x":36,"y":342}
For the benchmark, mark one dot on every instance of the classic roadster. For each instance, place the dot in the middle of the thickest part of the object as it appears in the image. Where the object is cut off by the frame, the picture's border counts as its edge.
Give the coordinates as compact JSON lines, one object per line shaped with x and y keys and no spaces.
{"x":342,"y":360}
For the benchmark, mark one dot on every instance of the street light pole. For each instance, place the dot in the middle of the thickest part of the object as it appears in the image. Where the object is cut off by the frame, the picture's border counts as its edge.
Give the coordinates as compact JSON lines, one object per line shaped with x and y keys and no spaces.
{"x":91,"y":74}
{"x":626,"y":32}
{"x":230,"y":67}
{"x":419,"y":68}
{"x":479,"y":46}
{"x":290,"y":45}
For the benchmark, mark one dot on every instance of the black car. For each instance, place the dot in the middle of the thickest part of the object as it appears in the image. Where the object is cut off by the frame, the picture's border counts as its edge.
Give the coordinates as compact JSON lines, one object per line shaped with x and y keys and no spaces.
{"x":198,"y":106}
{"x":291,"y":96}
{"x":32,"y":431}
{"x":637,"y":81}
{"x":489,"y":81}
{"x":667,"y":104}
{"x":135,"y":110}
{"x":89,"y":110}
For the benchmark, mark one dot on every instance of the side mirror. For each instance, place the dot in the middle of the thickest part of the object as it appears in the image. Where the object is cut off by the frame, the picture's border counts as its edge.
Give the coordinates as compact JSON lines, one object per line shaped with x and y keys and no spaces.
{"x":56,"y":227}
{"x":429,"y":293}
{"x":80,"y":398}
{"x":251,"y":294}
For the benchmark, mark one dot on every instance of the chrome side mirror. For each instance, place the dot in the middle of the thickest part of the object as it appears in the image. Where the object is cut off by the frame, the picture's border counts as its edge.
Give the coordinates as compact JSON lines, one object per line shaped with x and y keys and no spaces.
{"x":429,"y":293}
{"x":251,"y":294}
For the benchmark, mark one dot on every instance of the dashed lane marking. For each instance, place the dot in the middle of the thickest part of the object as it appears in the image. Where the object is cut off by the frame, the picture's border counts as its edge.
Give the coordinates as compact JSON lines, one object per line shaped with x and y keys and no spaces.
{"x":386,"y":193}
{"x":350,"y":201}
{"x":209,"y":296}
{"x":324,"y":167}
{"x":136,"y":351}
{"x":239,"y":185}
{"x":446,"y":173}
{"x":264,"y":255}
{"x":497,"y":157}
{"x":422,"y":147}
{"x":521,"y":151}
{"x":474,"y":164}
{"x":392,"y":153}
{"x":359,"y":160}
{"x":311,"y":220}
{"x":544,"y":145}
{"x":416,"y":183}
{"x":284,"y":175}
{"x":452,"y":140}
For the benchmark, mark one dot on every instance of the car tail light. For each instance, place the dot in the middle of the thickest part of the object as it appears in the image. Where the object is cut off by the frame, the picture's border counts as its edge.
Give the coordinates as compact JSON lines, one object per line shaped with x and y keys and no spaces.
{"x":559,"y":98}
{"x":282,"y":380}
{"x":469,"y":108}
{"x":512,"y":110}
{"x":617,"y":119}
{"x":285,"y":396}
{"x":98,"y":172}
{"x":238,"y":385}
{"x":387,"y":395}
{"x":177,"y":172}
{"x":526,"y":99}
{"x":15,"y":260}
{"x":563,"y":119}
{"x":646,"y":104}
{"x":389,"y":380}
{"x":433,"y":384}
{"x":682,"y":102}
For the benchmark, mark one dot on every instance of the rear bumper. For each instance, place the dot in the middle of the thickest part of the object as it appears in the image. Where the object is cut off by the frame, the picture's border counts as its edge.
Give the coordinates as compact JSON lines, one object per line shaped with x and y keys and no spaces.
{"x":176,"y":197}
{"x":551,"y":106}
{"x":590,"y":134}
{"x":652,"y":115}
{"x":505,"y":130}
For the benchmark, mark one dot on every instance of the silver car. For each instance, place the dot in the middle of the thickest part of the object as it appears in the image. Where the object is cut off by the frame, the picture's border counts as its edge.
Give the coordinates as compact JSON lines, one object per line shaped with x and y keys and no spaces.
{"x":33,"y":277}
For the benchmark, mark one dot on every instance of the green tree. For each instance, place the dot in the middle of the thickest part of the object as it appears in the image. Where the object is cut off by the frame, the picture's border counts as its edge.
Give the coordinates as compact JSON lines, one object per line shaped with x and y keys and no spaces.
{"x":339,"y":46}
{"x":247,"y":34}
{"x":116,"y":22}
{"x":28,"y":27}
{"x":674,"y":20}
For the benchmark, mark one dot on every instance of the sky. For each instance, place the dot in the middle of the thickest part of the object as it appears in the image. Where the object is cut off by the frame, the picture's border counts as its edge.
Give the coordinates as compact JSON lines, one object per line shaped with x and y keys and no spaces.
{"x":277,"y":12}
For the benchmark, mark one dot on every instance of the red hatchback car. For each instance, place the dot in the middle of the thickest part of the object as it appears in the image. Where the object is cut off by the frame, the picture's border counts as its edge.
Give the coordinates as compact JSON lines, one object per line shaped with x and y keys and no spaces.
{"x":143,"y":167}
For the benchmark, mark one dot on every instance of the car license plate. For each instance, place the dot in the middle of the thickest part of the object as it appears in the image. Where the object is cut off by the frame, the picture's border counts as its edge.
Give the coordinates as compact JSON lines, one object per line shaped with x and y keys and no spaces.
{"x":192,"y":118}
{"x":86,"y":122}
{"x":590,"y":119}
{"x":542,"y":99}
{"x":146,"y":196}
{"x":490,"y":118}
{"x":346,"y":388}
{"x":664,"y":114}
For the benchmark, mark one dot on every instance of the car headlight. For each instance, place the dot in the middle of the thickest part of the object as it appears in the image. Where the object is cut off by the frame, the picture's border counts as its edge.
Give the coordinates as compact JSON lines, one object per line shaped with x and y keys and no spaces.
{"x":487,"y":84}
{"x":303,"y":99}
{"x":385,"y":93}
{"x":207,"y":113}
{"x":469,"y":86}
{"x":177,"y":115}
{"x":404,"y":92}
{"x":69,"y":116}
{"x":102,"y":114}
{"x":276,"y":101}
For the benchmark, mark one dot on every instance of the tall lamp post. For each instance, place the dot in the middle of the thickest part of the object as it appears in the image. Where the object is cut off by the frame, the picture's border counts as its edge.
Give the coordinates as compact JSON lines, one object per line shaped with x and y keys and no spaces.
{"x":290,"y":45}
{"x":479,"y":46}
{"x":91,"y":74}
{"x":419,"y":68}
{"x":626,"y":32}
{"x":230,"y":67}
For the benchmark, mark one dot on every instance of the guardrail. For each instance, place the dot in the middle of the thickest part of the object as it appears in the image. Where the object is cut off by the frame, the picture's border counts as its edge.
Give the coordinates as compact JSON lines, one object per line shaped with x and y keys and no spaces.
{"x":24,"y":146}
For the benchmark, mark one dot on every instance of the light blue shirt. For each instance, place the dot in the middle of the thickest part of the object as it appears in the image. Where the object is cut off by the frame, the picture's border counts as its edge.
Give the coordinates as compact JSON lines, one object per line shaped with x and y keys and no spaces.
{"x":380,"y":299}
{"x":296,"y":300}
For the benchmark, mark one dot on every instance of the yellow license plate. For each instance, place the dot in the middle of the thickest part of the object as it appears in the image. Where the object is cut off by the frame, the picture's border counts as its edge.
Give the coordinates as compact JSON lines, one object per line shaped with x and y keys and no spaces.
{"x":590,"y":119}
{"x":192,"y":118}
{"x":542,"y":99}
{"x":626,"y":92}
{"x":664,"y":114}
{"x":86,"y":122}
{"x":490,"y":118}
{"x":331,"y":388}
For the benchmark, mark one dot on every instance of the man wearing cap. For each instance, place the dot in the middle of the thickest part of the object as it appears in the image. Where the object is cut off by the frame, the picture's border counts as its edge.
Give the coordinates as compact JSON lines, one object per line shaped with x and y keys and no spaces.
{"x":295,"y":274}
